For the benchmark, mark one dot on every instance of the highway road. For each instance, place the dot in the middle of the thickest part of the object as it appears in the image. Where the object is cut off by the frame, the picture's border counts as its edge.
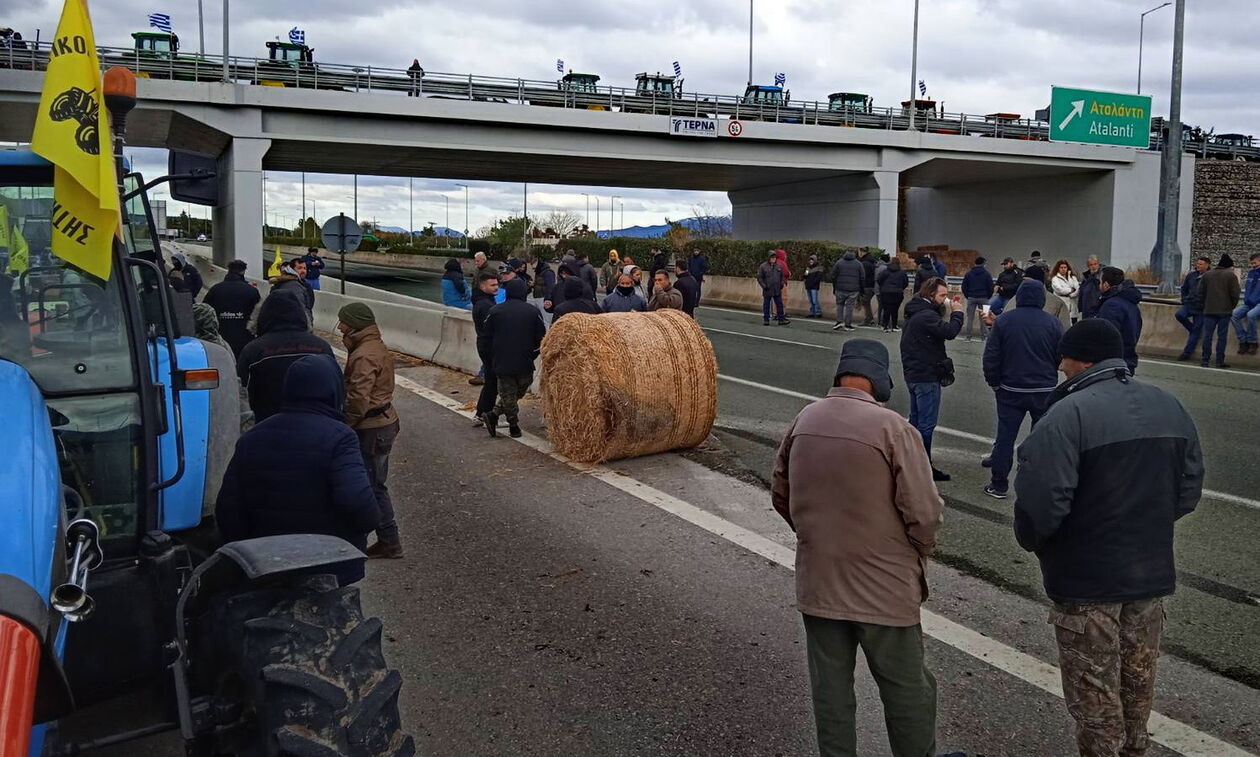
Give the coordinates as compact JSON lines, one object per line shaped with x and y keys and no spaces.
{"x":769,"y":373}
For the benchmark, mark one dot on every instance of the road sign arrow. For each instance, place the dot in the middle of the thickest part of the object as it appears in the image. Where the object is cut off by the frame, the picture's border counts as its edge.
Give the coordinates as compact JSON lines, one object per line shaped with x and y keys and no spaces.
{"x":1078,"y":108}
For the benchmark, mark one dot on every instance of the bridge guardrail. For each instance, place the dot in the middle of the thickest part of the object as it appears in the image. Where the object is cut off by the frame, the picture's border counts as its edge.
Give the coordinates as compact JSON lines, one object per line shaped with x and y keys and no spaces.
{"x":375,"y":79}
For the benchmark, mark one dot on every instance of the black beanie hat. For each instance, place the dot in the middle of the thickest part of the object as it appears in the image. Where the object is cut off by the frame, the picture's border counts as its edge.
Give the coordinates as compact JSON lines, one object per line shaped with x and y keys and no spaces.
{"x":1092,"y":340}
{"x":869,"y":359}
{"x":1226,"y":261}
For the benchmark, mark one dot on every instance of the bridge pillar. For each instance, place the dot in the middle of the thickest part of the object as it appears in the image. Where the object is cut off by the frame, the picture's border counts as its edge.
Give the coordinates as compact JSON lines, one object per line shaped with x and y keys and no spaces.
{"x":238,"y":219}
{"x":856,"y":209}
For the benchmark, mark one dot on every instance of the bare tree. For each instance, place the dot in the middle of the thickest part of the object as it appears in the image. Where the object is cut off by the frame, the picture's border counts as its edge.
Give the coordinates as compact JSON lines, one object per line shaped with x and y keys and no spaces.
{"x":562,"y":221}
{"x":708,"y":223}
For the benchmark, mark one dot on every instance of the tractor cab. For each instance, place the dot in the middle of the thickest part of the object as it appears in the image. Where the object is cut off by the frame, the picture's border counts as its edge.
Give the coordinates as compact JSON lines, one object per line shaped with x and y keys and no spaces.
{"x":766,"y":95}
{"x":157,"y":44}
{"x":657,"y":85}
{"x":290,"y":53}
{"x":1233,"y":140}
{"x":848,"y":101}
{"x":578,"y":83}
{"x":921,"y":107}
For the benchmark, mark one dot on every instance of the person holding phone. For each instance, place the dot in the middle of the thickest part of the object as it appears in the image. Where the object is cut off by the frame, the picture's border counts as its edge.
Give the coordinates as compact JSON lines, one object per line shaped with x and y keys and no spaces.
{"x":924,"y":363}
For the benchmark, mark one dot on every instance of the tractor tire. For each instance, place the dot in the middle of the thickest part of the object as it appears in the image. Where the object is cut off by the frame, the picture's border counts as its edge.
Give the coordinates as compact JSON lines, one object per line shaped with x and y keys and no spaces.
{"x":307,"y":671}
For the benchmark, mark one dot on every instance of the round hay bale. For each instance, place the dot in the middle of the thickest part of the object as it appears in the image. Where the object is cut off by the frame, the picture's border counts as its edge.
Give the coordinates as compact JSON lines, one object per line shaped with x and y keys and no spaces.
{"x":627,"y":384}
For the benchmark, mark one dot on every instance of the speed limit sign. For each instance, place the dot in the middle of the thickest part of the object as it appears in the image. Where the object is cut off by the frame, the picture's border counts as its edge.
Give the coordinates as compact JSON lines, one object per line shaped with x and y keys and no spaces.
{"x":735,"y":128}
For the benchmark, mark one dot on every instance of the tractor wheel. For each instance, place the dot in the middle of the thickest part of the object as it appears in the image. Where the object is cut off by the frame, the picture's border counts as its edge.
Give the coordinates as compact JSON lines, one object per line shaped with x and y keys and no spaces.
{"x":308,"y":673}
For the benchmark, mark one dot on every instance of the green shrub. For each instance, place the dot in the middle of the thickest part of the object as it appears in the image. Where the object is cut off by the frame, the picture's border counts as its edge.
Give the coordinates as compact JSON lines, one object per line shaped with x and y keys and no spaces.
{"x":727,"y":257}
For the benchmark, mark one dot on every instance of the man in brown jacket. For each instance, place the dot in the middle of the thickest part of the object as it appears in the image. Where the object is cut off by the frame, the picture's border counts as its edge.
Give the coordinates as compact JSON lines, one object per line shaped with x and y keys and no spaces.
{"x":370,"y":412}
{"x":1218,"y":291}
{"x":664,"y":296}
{"x":854,"y":482}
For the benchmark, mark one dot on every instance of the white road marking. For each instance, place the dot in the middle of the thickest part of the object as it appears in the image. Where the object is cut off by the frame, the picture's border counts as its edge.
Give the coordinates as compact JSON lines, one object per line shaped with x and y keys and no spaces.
{"x":1221,"y":496}
{"x":1170,"y":733}
{"x":771,"y":339}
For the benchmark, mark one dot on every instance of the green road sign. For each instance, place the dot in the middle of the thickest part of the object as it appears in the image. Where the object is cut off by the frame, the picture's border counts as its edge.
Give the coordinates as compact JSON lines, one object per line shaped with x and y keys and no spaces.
{"x":1100,"y":118}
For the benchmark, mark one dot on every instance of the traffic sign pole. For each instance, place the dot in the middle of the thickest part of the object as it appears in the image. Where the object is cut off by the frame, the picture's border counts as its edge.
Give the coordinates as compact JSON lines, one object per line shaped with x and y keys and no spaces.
{"x":341,"y":233}
{"x":342,"y":250}
{"x":1166,"y":255}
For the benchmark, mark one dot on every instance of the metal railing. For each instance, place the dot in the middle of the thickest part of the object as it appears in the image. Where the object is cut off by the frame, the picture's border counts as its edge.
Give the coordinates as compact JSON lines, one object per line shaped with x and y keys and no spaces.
{"x":374,"y":79}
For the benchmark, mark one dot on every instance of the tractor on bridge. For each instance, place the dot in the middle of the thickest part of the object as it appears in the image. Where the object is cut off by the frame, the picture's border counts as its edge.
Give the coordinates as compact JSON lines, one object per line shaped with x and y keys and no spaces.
{"x":155,"y":54}
{"x":577,"y":90}
{"x":768,"y":102}
{"x":114,"y":583}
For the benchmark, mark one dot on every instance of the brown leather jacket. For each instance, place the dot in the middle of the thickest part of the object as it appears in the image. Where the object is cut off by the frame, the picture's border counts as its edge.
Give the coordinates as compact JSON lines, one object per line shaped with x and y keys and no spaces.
{"x":369,"y":380}
{"x":666,"y":299}
{"x":854,"y":482}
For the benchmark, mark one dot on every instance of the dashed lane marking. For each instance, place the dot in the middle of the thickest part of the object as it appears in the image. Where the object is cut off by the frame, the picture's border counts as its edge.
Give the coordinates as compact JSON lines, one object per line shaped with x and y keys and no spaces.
{"x":1221,"y":496}
{"x":1170,"y":733}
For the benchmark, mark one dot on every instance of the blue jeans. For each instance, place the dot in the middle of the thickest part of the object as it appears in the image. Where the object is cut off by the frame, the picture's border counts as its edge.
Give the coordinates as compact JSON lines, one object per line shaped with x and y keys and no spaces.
{"x":1218,"y":325}
{"x":766,"y":299}
{"x":1245,"y":323}
{"x":998,"y":304}
{"x":815,"y":307}
{"x":1011,"y":408}
{"x":1194,"y":324}
{"x":314,"y":284}
{"x":925,"y":408}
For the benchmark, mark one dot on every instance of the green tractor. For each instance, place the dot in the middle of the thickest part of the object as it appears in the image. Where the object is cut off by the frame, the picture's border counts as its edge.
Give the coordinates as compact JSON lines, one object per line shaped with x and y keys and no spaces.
{"x":577,"y":91}
{"x":768,"y":102}
{"x":155,"y":54}
{"x":653,"y":93}
{"x":290,"y":64}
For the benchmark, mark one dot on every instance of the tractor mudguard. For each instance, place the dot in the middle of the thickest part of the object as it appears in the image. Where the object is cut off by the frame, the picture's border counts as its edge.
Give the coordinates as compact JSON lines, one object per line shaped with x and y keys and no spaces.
{"x":264,"y":557}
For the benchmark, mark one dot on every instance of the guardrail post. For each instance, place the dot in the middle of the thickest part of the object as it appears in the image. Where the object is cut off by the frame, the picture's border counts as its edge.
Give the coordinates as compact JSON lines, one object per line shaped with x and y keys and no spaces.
{"x":369,"y":78}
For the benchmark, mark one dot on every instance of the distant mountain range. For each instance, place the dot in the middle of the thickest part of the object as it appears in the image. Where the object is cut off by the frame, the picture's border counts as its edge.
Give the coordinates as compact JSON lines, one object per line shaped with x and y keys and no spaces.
{"x":442,"y":231}
{"x":647,"y":232}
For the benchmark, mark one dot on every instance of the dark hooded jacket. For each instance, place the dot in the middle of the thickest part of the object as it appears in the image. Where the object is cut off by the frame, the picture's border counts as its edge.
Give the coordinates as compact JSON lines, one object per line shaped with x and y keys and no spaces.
{"x":893,"y":280}
{"x":234,"y":299}
{"x":1022,"y":351}
{"x":575,"y":299}
{"x":977,"y":282}
{"x":1120,"y":306}
{"x":1102,"y":478}
{"x":1089,"y":296}
{"x":689,"y":288}
{"x":514,"y":331}
{"x":482,"y":303}
{"x":847,"y":274}
{"x":298,"y":289}
{"x":924,"y":272}
{"x":282,"y":340}
{"x":1008,"y":281}
{"x":558,"y":293}
{"x":317,"y":484}
{"x":869,"y":261}
{"x":923,"y":340}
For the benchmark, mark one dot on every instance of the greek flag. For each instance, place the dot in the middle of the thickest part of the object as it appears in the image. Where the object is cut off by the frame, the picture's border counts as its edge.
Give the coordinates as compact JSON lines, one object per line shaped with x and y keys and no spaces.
{"x":297,"y":36}
{"x":677,"y":69}
{"x":922,"y":88}
{"x":780,"y":79}
{"x":559,"y":65}
{"x":160,"y":21}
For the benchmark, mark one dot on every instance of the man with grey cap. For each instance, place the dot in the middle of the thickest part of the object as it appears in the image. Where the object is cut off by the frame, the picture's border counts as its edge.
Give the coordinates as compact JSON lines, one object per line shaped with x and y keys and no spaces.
{"x":864,"y":530}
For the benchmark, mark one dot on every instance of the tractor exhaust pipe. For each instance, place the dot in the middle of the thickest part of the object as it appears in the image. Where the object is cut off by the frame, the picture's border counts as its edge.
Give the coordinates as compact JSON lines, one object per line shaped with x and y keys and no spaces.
{"x":71,"y":598}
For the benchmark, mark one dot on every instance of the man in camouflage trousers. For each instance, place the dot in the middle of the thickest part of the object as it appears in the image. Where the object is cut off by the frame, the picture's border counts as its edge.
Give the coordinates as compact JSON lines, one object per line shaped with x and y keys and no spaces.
{"x":1102,"y":478}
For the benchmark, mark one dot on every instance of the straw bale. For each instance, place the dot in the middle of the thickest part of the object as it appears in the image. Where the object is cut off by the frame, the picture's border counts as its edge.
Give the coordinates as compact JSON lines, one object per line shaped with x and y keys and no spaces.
{"x":622,"y":385}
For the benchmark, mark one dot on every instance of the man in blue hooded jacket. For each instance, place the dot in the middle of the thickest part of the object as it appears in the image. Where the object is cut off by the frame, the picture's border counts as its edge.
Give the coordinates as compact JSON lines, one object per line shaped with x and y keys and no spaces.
{"x":1120,"y":298}
{"x":262,"y":496}
{"x":1021,"y":359}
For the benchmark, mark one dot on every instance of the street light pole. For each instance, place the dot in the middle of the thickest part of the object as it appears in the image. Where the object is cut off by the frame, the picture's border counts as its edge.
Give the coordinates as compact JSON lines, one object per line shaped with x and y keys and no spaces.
{"x":914,"y":64}
{"x":588,"y":210}
{"x":1166,"y":255}
{"x":596,"y":216}
{"x":201,"y":30}
{"x":750,"y":40}
{"x":411,"y":211}
{"x":611,"y":217}
{"x":227,"y":77}
{"x":465,"y":186}
{"x":1141,"y":38}
{"x":446,"y":232}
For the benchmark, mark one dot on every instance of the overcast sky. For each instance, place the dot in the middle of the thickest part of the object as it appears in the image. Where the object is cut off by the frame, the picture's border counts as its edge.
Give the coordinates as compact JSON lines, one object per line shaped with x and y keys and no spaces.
{"x":976,"y":56}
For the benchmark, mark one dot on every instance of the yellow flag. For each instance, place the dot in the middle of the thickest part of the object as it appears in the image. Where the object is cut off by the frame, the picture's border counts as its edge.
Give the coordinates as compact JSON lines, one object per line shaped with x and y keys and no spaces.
{"x":19,"y":253}
{"x":72,"y":132}
{"x":276,"y":264}
{"x":4,"y":226}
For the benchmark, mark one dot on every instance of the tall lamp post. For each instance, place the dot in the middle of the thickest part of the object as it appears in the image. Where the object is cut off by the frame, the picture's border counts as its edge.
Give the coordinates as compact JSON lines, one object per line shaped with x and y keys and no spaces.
{"x":447,"y":231}
{"x":1141,"y":38}
{"x":465,"y":186}
{"x":227,"y":77}
{"x":611,"y":218}
{"x":597,"y":216}
{"x":914,"y":64}
{"x":750,"y":40}
{"x":588,"y":210}
{"x":411,"y":212}
{"x":1166,"y":255}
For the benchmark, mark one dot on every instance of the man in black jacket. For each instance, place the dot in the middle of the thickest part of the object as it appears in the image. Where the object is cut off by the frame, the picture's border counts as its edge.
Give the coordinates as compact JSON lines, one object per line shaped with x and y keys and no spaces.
{"x":1020,"y":364}
{"x":261,"y":494}
{"x":687,"y":285}
{"x":483,"y":300}
{"x":868,"y":287}
{"x":847,"y":277}
{"x":1008,"y":282}
{"x":514,"y":331}
{"x":234,"y":300}
{"x":923,"y":360}
{"x":1090,"y":294}
{"x":577,"y":299}
{"x":282,"y":340}
{"x":1102,"y":479}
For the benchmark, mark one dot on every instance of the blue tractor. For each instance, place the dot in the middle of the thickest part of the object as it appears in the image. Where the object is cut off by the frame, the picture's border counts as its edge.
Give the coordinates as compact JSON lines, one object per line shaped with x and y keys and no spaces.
{"x":115,"y":590}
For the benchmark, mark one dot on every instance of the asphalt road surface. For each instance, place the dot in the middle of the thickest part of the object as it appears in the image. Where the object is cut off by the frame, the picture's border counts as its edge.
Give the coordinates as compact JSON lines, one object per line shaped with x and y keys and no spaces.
{"x":769,"y":374}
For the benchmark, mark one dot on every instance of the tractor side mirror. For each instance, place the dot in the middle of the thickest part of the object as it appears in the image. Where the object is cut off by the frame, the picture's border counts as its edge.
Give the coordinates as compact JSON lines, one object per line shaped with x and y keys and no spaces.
{"x":197,"y":183}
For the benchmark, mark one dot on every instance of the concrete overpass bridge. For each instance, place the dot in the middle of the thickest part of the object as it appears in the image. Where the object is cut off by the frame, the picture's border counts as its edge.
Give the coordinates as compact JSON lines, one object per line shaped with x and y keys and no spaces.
{"x":861,"y":186}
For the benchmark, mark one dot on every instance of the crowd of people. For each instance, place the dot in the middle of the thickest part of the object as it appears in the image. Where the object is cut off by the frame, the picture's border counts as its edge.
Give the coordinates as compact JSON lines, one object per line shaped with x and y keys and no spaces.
{"x":299,"y":404}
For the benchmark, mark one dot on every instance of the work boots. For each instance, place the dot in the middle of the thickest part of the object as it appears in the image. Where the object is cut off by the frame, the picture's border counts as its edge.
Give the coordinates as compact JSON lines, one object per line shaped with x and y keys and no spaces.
{"x":382,"y":550}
